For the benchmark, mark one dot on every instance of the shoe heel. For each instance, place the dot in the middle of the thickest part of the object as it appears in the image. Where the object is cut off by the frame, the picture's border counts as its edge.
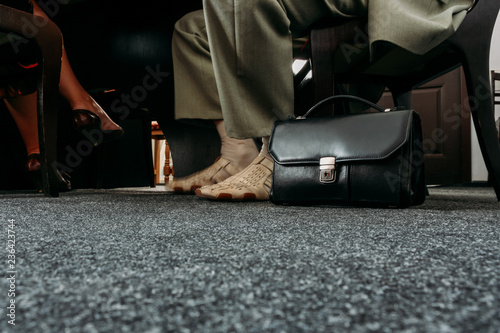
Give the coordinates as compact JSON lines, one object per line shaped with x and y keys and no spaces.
{"x":36,"y":178}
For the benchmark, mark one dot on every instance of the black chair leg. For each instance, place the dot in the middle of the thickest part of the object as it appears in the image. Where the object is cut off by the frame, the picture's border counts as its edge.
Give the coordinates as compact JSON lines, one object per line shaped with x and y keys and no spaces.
{"x":402,"y":98}
{"x":193,"y":148}
{"x":481,"y":105}
{"x":49,"y":41}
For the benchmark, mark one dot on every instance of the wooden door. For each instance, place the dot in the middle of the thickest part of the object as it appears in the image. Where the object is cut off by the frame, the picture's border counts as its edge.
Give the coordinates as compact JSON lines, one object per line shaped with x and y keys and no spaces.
{"x":446,"y":128}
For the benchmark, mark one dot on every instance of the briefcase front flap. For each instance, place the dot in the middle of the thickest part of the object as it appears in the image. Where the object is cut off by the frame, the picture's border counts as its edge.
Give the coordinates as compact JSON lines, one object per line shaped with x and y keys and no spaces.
{"x":349,"y":138}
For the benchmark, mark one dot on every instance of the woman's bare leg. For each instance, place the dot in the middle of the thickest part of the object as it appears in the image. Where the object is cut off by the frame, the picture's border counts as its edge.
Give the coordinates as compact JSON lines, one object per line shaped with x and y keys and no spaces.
{"x":23,"y":110}
{"x":71,"y":89}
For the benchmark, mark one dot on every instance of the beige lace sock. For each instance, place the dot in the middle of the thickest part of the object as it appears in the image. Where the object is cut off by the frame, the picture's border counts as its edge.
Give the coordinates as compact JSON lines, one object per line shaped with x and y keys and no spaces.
{"x":239,"y":152}
{"x":252,"y":183}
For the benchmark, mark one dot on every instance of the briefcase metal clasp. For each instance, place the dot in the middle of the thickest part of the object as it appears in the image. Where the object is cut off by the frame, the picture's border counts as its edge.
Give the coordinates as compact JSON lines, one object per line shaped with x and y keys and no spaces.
{"x":327,"y":170}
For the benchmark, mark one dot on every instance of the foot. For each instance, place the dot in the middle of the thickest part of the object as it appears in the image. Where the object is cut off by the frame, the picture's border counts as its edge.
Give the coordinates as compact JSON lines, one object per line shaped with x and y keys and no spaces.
{"x":253,"y":183}
{"x":106,"y":123}
{"x":34,"y":168}
{"x":90,"y":105}
{"x":217,"y":172}
{"x":91,"y":127}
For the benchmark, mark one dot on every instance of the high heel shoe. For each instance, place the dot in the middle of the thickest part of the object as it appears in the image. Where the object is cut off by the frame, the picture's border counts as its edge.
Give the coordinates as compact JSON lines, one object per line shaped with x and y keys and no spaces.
{"x":34,"y":168}
{"x":89,"y":124}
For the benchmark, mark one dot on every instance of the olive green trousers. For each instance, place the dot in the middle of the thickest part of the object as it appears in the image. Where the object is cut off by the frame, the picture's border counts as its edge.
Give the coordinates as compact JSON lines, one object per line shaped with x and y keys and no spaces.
{"x":233,"y":60}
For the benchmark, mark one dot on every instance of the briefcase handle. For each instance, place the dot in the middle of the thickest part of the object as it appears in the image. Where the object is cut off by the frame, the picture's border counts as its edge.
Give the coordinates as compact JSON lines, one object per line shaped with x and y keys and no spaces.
{"x":352,"y":98}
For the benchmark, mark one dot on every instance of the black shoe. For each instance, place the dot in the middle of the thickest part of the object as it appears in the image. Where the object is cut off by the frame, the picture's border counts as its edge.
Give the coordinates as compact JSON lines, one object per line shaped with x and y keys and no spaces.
{"x":34,"y":168}
{"x":89,"y":125}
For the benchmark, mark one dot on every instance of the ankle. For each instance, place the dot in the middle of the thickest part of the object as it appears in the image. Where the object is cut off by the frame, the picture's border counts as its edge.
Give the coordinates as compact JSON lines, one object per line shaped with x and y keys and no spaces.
{"x":34,"y":151}
{"x":264,"y":151}
{"x":239,"y":152}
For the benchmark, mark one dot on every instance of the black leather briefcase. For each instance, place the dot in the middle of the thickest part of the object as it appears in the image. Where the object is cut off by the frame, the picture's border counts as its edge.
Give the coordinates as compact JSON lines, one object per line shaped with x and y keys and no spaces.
{"x":371,"y":159}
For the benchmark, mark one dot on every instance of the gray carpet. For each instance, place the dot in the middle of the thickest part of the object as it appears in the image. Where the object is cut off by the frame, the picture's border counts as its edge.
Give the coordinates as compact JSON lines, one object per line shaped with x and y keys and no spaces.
{"x":150,"y":261}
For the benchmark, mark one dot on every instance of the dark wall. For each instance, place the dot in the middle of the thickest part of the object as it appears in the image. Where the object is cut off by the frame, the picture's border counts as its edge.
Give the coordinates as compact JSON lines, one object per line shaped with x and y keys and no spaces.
{"x":111,"y":42}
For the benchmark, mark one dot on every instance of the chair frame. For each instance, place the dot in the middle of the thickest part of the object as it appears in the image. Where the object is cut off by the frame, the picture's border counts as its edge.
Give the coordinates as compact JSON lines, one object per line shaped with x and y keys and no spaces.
{"x":495,"y":76}
{"x":48,"y":37}
{"x":472,"y":53}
